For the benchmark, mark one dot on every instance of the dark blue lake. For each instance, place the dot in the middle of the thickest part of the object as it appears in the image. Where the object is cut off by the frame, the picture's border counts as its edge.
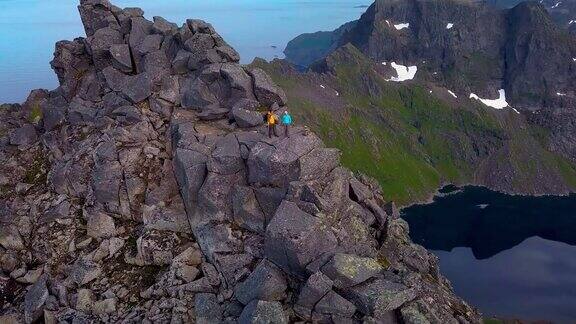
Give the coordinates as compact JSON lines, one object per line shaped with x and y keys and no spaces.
{"x":513,"y":257}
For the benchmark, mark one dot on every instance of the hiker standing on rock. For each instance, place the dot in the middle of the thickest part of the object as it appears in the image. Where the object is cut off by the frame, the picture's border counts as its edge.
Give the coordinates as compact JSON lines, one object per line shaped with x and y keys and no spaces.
{"x":271,"y":120}
{"x":286,"y":121}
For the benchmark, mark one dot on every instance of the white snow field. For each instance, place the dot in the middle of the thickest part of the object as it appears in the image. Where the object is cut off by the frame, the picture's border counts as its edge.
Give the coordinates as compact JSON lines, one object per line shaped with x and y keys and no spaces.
{"x":404,"y":72}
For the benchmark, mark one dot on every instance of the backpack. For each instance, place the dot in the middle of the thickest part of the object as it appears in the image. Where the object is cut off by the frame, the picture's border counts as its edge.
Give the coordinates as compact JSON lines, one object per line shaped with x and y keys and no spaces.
{"x":271,"y":118}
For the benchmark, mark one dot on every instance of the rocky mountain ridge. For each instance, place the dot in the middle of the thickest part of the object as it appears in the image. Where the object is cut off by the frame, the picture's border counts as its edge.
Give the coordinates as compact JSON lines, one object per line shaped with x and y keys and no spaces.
{"x":307,"y":48}
{"x":144,"y":189}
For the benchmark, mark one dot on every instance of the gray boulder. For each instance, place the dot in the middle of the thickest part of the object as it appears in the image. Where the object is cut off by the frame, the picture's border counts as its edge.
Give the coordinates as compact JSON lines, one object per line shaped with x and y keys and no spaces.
{"x":106,"y":180}
{"x":213,"y":113}
{"x":199,"y":43}
{"x":157,"y":65}
{"x":140,"y":28}
{"x":318,"y":163}
{"x":294,"y":239}
{"x":316,"y":287}
{"x":269,"y":199}
{"x":170,"y":89}
{"x":34,"y":300}
{"x":378,"y":297}
{"x":215,"y":196}
{"x":190,"y":170}
{"x":348,"y":270}
{"x":246,"y":118}
{"x":266,"y":91}
{"x":215,"y":239}
{"x":279,"y":164}
{"x":334,"y":304}
{"x":137,"y":88}
{"x":180,"y":61}
{"x":200,"y":26}
{"x":162,"y":26}
{"x":100,"y":43}
{"x":263,"y":312}
{"x":114,"y":78}
{"x":228,"y":53}
{"x":100,"y":225}
{"x":226,"y":158}
{"x":24,"y":135}
{"x":52,"y":116}
{"x":247,"y":212}
{"x":359,"y":192}
{"x":127,"y":115}
{"x":10,"y":238}
{"x":239,"y":81}
{"x":207,"y":309}
{"x":84,"y":272}
{"x":150,"y":43}
{"x":266,"y":282}
{"x":196,"y":94}
{"x":122,"y":59}
{"x":96,"y":15}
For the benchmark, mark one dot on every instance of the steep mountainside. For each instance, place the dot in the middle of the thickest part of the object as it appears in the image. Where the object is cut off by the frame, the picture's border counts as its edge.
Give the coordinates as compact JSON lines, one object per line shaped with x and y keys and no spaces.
{"x":445,"y":52}
{"x":472,"y":48}
{"x":562,"y":11}
{"x":306,"y":48}
{"x":414,"y":136}
{"x":144,"y":189}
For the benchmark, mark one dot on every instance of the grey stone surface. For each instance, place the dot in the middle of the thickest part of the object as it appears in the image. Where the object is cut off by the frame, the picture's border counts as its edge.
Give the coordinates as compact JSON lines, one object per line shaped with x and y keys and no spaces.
{"x":266,"y":91}
{"x":266,"y":282}
{"x":316,"y":287}
{"x":350,"y":270}
{"x":334,"y":304}
{"x":207,"y":309}
{"x":380,"y":296}
{"x":294,"y":239}
{"x":247,"y":212}
{"x":34,"y":300}
{"x":122,"y":58}
{"x":263,"y":312}
{"x":24,"y":135}
{"x":100,"y":225}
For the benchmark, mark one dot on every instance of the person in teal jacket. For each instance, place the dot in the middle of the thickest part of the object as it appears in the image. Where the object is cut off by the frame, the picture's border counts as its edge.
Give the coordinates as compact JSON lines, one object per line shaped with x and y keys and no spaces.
{"x":287,"y":122}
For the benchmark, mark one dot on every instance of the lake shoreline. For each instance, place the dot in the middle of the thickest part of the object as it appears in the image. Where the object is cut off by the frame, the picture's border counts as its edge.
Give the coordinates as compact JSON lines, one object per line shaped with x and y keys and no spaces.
{"x":431,"y":197}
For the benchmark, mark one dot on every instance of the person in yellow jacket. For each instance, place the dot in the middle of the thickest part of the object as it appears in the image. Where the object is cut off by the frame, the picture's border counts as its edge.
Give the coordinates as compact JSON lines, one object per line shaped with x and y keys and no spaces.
{"x":272,"y":121}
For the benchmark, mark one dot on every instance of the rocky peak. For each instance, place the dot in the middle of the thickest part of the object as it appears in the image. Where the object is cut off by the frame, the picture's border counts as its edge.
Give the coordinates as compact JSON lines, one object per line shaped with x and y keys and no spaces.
{"x":147,"y":189}
{"x":470,"y":47}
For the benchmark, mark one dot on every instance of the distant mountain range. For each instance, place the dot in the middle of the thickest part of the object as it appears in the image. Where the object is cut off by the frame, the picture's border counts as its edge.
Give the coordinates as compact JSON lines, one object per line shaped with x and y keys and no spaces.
{"x":309,"y":47}
{"x":458,"y":61}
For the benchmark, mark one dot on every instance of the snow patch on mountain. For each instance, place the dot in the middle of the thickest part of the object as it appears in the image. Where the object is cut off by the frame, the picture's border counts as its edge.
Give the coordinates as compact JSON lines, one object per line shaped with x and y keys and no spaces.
{"x":452,"y":93}
{"x":449,"y":26}
{"x":402,"y":26}
{"x":499,"y":103}
{"x":404,"y":72}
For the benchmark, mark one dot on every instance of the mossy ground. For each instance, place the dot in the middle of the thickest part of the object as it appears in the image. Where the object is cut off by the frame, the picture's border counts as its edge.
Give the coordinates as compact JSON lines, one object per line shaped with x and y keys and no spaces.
{"x":409,"y":139}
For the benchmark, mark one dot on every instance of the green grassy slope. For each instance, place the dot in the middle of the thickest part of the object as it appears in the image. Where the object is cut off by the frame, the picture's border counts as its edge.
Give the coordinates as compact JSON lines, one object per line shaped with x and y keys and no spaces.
{"x":410,"y":140}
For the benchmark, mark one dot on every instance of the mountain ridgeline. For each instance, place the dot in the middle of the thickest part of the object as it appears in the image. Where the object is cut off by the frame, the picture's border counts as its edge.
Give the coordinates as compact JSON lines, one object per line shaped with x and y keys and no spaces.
{"x":144,"y":189}
{"x":432,"y":124}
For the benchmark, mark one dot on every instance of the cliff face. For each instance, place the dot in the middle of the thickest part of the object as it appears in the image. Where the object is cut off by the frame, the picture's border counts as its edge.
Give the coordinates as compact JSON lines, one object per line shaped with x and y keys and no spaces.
{"x":473,"y":48}
{"x":308,"y":48}
{"x":145,"y":188}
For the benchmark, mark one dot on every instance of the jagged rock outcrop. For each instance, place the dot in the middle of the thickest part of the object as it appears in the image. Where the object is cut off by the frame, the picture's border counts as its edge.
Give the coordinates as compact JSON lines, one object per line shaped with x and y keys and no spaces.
{"x":143,"y":195}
